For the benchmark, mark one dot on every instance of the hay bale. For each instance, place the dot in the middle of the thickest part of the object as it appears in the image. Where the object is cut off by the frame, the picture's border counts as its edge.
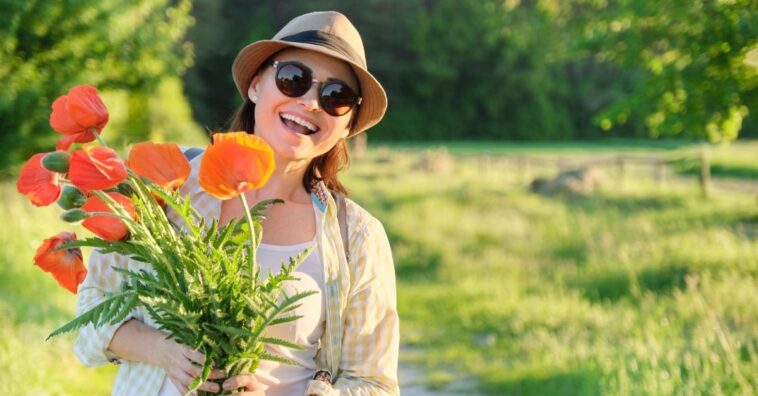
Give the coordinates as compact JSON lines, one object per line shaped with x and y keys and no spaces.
{"x":434,"y":161}
{"x":581,"y":181}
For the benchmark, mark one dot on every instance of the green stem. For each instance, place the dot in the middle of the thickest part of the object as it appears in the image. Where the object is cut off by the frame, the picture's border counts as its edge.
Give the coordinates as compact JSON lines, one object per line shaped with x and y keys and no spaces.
{"x":253,"y":265}
{"x":97,"y":136}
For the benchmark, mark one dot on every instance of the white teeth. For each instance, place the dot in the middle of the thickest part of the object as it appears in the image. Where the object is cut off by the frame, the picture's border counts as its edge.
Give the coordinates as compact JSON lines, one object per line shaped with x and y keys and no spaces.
{"x":300,"y":121}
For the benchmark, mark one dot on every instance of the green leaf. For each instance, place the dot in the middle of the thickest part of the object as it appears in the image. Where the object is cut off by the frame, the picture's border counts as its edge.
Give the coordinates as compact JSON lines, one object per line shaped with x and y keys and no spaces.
{"x":274,"y":358}
{"x":284,"y":343}
{"x":104,"y":312}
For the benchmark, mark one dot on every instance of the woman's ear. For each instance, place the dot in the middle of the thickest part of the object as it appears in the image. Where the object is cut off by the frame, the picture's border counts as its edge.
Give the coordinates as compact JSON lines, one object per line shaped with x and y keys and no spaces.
{"x":252,"y":91}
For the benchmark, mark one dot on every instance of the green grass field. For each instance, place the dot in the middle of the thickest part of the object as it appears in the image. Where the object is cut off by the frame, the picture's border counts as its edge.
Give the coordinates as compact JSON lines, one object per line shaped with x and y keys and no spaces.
{"x":644,"y":290}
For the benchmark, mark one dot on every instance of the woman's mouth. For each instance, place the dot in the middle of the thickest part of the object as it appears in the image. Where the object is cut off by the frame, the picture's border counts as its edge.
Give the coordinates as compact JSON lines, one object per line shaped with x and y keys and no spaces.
{"x":298,"y":124}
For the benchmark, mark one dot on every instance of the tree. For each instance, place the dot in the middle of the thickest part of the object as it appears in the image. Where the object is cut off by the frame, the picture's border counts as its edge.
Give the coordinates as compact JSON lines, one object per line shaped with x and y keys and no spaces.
{"x":691,"y":57}
{"x":46,"y":47}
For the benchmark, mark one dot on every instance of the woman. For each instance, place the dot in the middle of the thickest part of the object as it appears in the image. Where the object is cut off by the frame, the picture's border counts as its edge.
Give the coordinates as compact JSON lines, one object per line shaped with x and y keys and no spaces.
{"x":305,"y":91}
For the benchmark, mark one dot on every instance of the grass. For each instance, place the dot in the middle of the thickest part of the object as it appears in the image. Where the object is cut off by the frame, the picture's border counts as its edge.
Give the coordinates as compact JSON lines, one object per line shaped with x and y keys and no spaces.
{"x":32,"y":305}
{"x":641,"y":290}
{"x":638,"y":289}
{"x":732,"y":160}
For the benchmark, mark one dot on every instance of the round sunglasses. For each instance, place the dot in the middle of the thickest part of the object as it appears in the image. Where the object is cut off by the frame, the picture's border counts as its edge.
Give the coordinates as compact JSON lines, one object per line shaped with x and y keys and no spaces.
{"x":295,"y":79}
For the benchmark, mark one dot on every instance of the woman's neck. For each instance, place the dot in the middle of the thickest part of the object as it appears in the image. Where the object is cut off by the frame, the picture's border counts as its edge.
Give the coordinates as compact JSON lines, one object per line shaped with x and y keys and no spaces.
{"x":286,"y":183}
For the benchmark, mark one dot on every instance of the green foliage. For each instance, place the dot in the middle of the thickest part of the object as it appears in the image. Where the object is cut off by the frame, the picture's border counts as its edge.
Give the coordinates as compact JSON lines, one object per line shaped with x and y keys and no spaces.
{"x":202,"y":289}
{"x":47,"y":47}
{"x":527,"y":70}
{"x":692,"y":55}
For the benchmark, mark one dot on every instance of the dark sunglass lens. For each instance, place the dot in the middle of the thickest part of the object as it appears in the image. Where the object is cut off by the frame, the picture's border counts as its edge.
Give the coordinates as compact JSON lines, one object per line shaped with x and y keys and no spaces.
{"x":337,"y":99}
{"x":293,"y":80}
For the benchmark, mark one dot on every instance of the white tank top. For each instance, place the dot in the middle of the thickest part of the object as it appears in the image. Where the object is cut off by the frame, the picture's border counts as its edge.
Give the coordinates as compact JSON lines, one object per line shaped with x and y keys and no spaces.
{"x":282,"y":379}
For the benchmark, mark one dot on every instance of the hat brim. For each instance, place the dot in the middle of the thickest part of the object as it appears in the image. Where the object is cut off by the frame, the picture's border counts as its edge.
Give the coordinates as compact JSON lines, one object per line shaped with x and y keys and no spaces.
{"x":374,"y":102}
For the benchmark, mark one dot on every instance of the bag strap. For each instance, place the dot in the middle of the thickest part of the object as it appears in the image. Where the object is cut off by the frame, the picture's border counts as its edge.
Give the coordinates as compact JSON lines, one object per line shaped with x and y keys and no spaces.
{"x":342,"y":218}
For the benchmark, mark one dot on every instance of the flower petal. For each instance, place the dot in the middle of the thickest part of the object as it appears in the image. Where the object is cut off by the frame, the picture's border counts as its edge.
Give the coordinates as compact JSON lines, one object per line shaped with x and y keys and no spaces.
{"x":79,"y":114}
{"x":96,"y":168}
{"x":61,"y":120}
{"x":106,"y":227}
{"x":86,"y":108}
{"x":236,"y":162}
{"x":38,"y":184}
{"x":162,"y":164}
{"x":65,"y":265}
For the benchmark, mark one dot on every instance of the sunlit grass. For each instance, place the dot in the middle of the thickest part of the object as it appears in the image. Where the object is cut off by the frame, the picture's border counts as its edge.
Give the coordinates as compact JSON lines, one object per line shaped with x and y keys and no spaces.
{"x":644,"y":289}
{"x":32,"y":305}
{"x":641,"y":288}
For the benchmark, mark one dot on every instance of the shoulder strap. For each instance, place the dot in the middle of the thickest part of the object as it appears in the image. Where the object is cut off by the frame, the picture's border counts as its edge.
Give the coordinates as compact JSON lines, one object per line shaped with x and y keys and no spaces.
{"x":342,"y":218}
{"x":192,"y":152}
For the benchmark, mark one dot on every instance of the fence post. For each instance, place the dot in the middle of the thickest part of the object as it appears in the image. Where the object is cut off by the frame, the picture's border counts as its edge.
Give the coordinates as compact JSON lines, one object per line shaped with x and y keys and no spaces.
{"x":360,"y":142}
{"x":620,"y":171}
{"x":660,"y":173}
{"x":705,"y":174}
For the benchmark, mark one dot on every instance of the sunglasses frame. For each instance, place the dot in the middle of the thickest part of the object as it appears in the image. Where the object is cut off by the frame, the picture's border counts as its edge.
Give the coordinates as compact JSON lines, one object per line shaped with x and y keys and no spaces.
{"x":307,"y":72}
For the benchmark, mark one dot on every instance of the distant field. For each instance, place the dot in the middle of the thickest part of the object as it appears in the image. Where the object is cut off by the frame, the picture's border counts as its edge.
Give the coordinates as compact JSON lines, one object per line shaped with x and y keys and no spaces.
{"x":644,"y":290}
{"x":735,"y":160}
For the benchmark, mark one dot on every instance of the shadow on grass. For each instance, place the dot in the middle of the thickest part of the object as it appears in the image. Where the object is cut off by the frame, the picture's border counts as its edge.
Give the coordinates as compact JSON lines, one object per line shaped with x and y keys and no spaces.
{"x":626,"y":204}
{"x":720,"y":170}
{"x":583,"y":382}
{"x":616,"y":285}
{"x":415,"y":260}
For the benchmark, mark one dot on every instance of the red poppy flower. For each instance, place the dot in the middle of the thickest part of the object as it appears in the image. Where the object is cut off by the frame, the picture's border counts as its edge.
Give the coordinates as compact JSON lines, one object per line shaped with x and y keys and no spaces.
{"x":39,"y":185}
{"x":78,"y":116}
{"x":106,"y":227}
{"x":162,"y":164}
{"x":65,"y":265}
{"x":96,"y":168}
{"x":236,"y":162}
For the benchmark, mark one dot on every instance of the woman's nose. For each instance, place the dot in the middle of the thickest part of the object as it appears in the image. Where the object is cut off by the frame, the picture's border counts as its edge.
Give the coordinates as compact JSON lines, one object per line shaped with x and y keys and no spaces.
{"x":309,"y":100}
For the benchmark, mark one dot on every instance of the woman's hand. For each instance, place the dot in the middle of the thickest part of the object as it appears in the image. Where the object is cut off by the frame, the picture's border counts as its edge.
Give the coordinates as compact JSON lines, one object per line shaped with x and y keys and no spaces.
{"x":247,"y":382}
{"x":183,"y":365}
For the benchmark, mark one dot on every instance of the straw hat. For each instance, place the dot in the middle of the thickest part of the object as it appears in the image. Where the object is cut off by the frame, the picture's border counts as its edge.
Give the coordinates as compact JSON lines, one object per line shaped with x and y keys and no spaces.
{"x":326,"y":32}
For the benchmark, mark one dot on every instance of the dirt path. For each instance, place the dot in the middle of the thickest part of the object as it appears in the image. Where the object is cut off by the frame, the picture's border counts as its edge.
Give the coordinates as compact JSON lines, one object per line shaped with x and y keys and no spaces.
{"x":412,"y":382}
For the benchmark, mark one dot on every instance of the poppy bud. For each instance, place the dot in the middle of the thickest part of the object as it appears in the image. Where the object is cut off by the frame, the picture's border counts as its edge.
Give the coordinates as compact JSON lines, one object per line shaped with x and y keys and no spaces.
{"x":57,"y":161}
{"x":71,"y":198}
{"x":73,"y":215}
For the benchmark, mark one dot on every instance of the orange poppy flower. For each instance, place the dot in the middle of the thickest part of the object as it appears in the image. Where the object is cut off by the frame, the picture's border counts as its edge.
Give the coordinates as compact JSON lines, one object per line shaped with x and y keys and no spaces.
{"x":106,"y":227}
{"x":65,"y":265}
{"x":78,"y":116}
{"x":162,"y":164}
{"x":236,"y":162}
{"x":96,"y":168}
{"x":39,"y":185}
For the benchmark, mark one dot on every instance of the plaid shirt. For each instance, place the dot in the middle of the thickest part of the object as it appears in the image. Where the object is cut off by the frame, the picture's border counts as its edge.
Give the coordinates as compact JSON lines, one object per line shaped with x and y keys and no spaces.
{"x":361,"y":337}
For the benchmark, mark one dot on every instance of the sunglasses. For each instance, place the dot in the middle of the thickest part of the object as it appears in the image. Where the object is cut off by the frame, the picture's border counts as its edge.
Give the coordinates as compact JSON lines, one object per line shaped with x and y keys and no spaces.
{"x":335,"y":97}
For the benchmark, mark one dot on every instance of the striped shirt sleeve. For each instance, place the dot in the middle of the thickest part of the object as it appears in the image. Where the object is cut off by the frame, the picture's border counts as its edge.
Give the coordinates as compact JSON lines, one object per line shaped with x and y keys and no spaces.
{"x":91,"y":346}
{"x":371,"y":326}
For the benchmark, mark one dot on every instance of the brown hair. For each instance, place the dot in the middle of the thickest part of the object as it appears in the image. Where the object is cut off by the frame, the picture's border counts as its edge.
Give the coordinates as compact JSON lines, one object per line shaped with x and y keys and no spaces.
{"x":322,"y":168}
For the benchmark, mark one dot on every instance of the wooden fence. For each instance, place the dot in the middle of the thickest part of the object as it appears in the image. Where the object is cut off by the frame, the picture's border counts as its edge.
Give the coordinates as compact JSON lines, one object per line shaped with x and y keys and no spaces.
{"x":660,"y":167}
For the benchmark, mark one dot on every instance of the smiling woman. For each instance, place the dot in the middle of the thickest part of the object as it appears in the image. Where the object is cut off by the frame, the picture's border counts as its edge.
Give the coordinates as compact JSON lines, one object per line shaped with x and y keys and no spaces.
{"x":304,"y":92}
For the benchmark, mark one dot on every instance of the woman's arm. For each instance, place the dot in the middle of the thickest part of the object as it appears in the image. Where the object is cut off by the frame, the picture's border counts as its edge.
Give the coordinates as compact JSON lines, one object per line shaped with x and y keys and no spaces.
{"x":91,"y":346}
{"x":130,"y":339}
{"x":136,"y":341}
{"x":370,"y":342}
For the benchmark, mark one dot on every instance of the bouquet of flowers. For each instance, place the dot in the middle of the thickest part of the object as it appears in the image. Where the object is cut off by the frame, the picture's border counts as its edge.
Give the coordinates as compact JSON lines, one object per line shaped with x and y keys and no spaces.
{"x":203,"y":287}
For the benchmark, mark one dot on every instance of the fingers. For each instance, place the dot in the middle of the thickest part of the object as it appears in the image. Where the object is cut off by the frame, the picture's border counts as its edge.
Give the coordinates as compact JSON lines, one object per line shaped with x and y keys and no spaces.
{"x":209,"y":387}
{"x":245,"y":381}
{"x":217,"y":374}
{"x":194,"y":356}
